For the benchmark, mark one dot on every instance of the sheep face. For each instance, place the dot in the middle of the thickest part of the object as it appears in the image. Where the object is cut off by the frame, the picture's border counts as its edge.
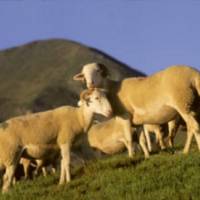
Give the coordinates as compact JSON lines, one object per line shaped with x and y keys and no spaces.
{"x":92,"y":74}
{"x":95,"y":100}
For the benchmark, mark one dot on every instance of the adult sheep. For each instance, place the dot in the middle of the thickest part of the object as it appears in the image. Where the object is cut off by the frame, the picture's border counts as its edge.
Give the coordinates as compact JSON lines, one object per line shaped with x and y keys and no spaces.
{"x":156,"y":99}
{"x":34,"y":135}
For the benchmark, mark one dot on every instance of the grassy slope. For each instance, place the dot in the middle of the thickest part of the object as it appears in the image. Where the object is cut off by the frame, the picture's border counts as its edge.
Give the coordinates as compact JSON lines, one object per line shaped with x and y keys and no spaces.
{"x":163,"y":176}
{"x":38,"y":76}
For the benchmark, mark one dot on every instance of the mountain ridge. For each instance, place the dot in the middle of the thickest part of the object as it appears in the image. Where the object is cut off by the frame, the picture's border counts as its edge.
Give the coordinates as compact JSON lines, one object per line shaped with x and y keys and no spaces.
{"x":38,"y":76}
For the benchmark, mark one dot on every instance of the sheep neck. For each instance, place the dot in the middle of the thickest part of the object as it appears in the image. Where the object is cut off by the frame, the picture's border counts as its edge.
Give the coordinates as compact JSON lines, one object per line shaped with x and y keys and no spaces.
{"x":85,"y":117}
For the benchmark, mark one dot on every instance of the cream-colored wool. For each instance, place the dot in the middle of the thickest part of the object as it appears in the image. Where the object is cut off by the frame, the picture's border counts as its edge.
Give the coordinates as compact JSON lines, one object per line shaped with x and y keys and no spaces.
{"x":35,"y":135}
{"x":155,"y":99}
{"x":113,"y":135}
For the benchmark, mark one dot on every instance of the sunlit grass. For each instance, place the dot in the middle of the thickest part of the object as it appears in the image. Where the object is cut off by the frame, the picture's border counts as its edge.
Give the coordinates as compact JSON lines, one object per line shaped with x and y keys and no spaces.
{"x":163,"y":176}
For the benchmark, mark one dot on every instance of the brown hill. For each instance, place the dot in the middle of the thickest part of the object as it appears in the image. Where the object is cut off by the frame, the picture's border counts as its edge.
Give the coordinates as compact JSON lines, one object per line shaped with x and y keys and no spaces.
{"x":38,"y":76}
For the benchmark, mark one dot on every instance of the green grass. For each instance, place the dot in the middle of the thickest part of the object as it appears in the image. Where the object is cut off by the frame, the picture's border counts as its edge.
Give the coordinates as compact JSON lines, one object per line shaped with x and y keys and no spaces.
{"x":163,"y":176}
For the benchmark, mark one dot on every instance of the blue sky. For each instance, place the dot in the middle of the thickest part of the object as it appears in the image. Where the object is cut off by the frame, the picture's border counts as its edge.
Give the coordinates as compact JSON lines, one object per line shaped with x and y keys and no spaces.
{"x":146,"y":34}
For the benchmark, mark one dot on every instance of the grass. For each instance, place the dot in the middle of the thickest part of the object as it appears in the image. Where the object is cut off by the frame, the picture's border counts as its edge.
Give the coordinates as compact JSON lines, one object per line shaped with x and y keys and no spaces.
{"x":163,"y":176}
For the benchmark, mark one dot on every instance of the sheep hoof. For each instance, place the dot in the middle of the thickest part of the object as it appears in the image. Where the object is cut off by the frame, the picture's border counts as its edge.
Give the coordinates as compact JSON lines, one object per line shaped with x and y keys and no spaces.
{"x":185,"y":152}
{"x":146,"y":157}
{"x":5,"y":190}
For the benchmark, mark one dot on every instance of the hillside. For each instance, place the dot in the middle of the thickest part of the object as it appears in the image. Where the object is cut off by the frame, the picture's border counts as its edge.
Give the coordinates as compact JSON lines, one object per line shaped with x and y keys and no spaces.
{"x":164,"y":176}
{"x":38,"y":76}
{"x":168,"y":175}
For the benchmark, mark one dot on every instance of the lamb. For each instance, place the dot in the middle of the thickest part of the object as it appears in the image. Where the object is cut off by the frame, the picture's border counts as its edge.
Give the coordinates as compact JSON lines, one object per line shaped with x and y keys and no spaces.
{"x":34,"y":135}
{"x":40,"y":164}
{"x":113,"y":135}
{"x":49,"y":164}
{"x":156,"y":99}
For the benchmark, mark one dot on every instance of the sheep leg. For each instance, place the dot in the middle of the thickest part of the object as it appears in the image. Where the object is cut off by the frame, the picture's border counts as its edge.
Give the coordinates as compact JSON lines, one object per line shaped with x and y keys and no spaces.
{"x":188,"y":142}
{"x":159,"y":136}
{"x":192,"y":129}
{"x":148,"y":139}
{"x":65,"y":164}
{"x":142,"y":142}
{"x":44,"y":171}
{"x":26,"y":164}
{"x":173,"y":127}
{"x":39,"y":164}
{"x":197,"y":137}
{"x":8,"y":178}
{"x":26,"y":170}
{"x":183,"y":106}
{"x":15,"y":152}
{"x":128,"y":145}
{"x":128,"y":138}
{"x":62,"y":172}
{"x":53,"y":169}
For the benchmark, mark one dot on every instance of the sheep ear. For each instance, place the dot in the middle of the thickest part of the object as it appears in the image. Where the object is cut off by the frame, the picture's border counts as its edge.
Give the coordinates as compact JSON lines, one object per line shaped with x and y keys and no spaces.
{"x":79,"y":77}
{"x":103,"y":70}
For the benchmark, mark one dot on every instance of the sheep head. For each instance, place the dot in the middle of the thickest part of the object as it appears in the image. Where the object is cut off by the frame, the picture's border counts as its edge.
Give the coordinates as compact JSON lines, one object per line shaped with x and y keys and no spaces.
{"x":92,"y":74}
{"x":96,"y":101}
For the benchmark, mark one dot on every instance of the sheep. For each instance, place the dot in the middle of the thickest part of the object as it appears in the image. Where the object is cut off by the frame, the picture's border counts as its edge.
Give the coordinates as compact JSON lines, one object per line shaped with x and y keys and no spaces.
{"x":164,"y":134}
{"x":34,"y":135}
{"x":156,"y":99}
{"x":48,"y":164}
{"x":95,"y":74}
{"x":159,"y":133}
{"x":113,"y":135}
{"x":40,"y":164}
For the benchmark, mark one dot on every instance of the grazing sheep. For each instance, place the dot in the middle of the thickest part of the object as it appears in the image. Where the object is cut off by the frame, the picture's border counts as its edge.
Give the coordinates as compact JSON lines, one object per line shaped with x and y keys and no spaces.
{"x":156,"y":99}
{"x":113,"y":135}
{"x":32,"y":136}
